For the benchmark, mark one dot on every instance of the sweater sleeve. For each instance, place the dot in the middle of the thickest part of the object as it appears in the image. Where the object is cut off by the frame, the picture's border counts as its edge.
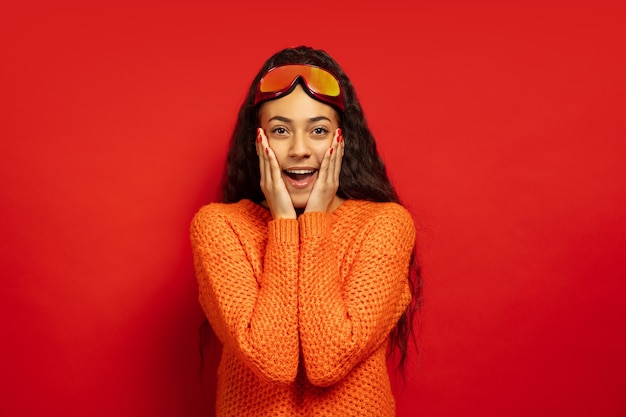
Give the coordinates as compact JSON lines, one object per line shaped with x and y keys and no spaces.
{"x":348,"y":308}
{"x":254,"y":316}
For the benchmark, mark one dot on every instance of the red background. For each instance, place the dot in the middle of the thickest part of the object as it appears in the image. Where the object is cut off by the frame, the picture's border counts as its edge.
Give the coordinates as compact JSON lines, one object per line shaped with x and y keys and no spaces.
{"x":502,"y":127}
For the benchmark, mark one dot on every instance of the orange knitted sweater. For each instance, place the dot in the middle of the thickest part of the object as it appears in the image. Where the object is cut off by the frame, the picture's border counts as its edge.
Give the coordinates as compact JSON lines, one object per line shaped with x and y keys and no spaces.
{"x":303,"y":307}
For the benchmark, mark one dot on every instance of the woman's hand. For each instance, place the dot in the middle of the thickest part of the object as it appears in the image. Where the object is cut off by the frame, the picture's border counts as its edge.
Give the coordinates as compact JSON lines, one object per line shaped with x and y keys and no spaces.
{"x":272,"y":184}
{"x":327,"y":183}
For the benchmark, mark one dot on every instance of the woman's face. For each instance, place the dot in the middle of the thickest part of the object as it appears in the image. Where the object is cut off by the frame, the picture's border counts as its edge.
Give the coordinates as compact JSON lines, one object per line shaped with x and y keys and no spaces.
{"x":299,"y":130}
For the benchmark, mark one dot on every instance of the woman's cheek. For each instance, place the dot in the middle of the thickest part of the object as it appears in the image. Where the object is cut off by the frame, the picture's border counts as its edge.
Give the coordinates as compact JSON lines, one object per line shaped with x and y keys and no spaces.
{"x":322,"y":149}
{"x":277,"y":148}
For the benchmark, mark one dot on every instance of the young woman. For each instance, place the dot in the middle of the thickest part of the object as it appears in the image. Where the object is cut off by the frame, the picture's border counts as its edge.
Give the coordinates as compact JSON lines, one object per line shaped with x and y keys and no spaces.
{"x":306,"y":270}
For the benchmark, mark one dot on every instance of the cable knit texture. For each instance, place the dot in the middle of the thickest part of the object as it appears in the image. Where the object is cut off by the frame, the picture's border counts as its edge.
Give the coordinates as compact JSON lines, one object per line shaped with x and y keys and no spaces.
{"x":303,"y":307}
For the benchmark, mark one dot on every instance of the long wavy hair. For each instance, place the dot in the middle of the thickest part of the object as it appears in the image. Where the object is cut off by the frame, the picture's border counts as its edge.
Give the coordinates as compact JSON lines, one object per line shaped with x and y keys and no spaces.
{"x":363,"y":174}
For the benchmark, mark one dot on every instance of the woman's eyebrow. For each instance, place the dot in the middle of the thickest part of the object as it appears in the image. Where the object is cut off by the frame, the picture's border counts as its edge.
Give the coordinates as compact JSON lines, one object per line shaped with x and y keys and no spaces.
{"x":284,"y":119}
{"x":318,"y":118}
{"x":281,"y":119}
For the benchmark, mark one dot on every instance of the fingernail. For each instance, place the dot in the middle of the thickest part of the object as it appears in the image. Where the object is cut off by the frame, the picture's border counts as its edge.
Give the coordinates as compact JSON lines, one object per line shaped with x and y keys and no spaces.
{"x":267,"y":151}
{"x":331,"y":150}
{"x":339,"y":133}
{"x":340,"y":138}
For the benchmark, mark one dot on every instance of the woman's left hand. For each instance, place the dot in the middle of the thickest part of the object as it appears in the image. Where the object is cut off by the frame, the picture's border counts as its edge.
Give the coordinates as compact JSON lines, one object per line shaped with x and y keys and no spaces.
{"x":272,"y":185}
{"x":327,"y":183}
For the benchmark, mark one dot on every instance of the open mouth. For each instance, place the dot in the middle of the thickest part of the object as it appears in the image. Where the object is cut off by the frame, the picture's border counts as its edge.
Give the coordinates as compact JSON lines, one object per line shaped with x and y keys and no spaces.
{"x":299,"y":174}
{"x":300,"y":178}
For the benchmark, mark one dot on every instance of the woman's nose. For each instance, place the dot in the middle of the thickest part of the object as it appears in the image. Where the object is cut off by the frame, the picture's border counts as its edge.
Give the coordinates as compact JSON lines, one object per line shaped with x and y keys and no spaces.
{"x":299,"y":147}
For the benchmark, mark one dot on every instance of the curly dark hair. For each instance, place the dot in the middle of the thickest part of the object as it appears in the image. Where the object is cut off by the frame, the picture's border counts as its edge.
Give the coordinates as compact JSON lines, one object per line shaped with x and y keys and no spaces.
{"x":363,"y":174}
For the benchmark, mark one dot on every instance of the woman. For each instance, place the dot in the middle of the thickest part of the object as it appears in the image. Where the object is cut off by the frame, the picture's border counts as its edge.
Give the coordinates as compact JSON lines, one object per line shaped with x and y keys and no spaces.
{"x":304,"y":269}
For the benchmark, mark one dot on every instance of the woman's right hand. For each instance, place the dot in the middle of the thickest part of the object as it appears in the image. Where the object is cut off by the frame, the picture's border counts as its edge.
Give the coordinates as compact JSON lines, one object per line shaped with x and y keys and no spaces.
{"x":276,"y":195}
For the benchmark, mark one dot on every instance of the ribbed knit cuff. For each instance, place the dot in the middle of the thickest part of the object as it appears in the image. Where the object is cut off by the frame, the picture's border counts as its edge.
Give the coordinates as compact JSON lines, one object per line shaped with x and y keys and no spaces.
{"x":314,"y":224}
{"x":283,"y":231}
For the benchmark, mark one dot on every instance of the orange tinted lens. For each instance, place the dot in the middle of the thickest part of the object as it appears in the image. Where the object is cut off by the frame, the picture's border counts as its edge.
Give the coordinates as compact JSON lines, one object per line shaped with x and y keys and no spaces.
{"x":318,"y":80}
{"x":322,"y":82}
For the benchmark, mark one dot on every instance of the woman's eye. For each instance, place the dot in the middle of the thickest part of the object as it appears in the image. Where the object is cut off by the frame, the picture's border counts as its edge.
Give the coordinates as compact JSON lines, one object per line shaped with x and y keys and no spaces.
{"x":320,"y":130}
{"x":279,"y":130}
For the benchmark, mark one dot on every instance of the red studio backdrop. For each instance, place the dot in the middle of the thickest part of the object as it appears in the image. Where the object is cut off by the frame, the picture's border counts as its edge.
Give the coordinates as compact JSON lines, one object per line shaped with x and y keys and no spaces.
{"x":502,"y":126}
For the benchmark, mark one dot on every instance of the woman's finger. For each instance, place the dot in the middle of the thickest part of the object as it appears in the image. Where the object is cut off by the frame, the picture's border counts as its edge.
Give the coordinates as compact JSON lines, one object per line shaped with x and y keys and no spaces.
{"x":274,"y":168}
{"x":258,"y":152}
{"x":334,"y":156}
{"x":270,"y":163}
{"x":338,"y":153}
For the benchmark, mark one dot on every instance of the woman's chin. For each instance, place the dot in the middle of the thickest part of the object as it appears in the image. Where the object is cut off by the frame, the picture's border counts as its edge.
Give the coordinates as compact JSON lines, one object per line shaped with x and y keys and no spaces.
{"x":299,"y":201}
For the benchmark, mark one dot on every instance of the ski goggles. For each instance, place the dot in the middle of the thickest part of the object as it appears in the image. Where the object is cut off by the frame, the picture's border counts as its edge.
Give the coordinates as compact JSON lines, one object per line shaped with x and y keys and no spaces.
{"x":319,"y":84}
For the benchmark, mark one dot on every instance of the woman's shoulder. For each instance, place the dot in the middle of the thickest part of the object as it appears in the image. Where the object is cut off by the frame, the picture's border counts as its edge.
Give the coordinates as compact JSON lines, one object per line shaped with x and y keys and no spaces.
{"x":367,"y":217}
{"x":371,"y":210}
{"x":385,"y":224}
{"x":241,"y":211}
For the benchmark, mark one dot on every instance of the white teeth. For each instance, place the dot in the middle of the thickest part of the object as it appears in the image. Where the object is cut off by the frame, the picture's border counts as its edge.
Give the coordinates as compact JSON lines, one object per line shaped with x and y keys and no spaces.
{"x":300,"y":171}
